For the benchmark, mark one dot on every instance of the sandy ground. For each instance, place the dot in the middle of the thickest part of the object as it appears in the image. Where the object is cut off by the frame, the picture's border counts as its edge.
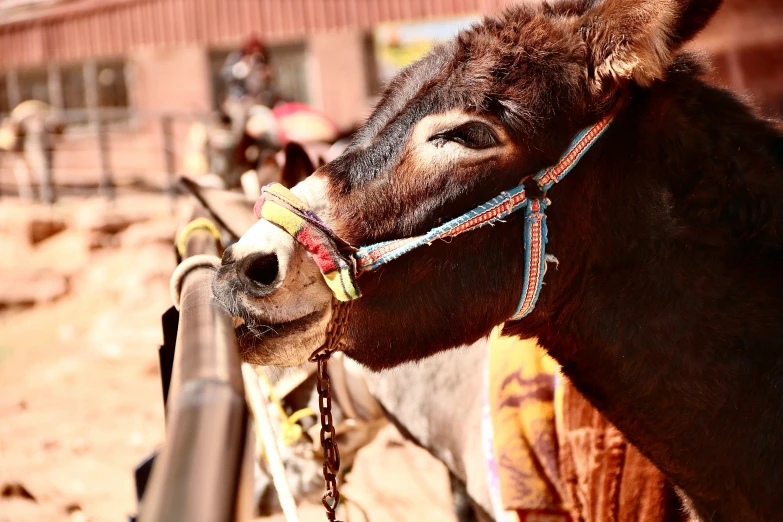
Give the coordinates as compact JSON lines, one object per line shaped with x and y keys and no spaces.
{"x":80,"y":398}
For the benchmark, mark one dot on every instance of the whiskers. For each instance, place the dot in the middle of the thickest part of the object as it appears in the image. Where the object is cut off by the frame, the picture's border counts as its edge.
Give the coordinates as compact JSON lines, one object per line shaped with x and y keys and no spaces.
{"x":259,"y":331}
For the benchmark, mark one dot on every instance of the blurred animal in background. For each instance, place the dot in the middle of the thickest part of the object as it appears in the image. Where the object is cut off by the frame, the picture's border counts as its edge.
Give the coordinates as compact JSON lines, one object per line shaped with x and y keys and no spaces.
{"x":28,"y":133}
{"x":231,"y":210}
{"x":219,"y":153}
{"x":254,"y":123}
{"x":435,"y":404}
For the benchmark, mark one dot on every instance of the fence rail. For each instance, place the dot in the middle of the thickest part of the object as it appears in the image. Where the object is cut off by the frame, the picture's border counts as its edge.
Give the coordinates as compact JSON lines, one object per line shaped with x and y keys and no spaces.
{"x":113,"y":148}
{"x":203,"y":472}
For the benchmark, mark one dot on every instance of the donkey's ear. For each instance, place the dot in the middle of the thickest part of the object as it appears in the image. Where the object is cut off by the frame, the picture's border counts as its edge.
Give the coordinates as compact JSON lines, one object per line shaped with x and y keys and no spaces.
{"x":298,"y":165}
{"x":269,"y":171}
{"x":636,"y":39}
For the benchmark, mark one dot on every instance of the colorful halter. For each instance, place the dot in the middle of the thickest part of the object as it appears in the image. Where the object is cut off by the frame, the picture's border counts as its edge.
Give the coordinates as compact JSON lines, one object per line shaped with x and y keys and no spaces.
{"x":341,"y":263}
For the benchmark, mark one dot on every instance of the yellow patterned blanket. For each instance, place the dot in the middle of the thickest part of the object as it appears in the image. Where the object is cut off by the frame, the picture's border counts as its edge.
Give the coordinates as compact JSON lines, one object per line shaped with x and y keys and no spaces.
{"x":552,"y":457}
{"x":521,"y":388}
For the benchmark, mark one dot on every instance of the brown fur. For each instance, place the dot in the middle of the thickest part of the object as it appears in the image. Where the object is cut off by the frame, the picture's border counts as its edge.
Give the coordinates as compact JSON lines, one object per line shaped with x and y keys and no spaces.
{"x":665,"y":311}
{"x":653,"y":311}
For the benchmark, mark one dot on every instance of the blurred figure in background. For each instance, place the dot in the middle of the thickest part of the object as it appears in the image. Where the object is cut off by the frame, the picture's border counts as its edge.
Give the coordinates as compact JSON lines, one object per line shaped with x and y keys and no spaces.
{"x":29,"y":133}
{"x":248,"y":75}
{"x":255,"y":124}
{"x":230,"y":148}
{"x":249,"y":80}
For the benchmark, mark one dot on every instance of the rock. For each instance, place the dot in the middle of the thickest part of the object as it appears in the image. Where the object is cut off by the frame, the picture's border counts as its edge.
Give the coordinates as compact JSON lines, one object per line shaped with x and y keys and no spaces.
{"x":149,"y":233}
{"x":24,"y":288}
{"x":76,"y":513}
{"x":65,"y":253}
{"x":103,"y":225}
{"x":101,"y":219}
{"x":97,"y":239}
{"x":30,"y":222}
{"x":39,"y":228}
{"x":50,"y":444}
{"x":13,"y":250}
{"x":16,"y":490}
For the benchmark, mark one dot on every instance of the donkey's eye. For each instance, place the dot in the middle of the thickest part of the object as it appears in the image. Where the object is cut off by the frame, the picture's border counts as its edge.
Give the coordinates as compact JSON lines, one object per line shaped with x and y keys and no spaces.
{"x":474,"y":134}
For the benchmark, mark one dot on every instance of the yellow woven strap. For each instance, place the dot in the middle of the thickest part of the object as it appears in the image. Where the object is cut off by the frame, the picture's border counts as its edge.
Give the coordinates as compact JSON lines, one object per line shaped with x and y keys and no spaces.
{"x":290,"y":429}
{"x":197,"y":224}
{"x":281,"y":207}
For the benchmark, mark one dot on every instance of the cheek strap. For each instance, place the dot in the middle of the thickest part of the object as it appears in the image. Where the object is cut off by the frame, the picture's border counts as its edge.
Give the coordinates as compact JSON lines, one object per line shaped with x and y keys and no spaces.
{"x":280,"y":206}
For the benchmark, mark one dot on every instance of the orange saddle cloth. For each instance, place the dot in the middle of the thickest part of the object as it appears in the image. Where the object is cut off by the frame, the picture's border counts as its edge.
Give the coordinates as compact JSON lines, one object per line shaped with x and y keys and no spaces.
{"x":552,"y":457}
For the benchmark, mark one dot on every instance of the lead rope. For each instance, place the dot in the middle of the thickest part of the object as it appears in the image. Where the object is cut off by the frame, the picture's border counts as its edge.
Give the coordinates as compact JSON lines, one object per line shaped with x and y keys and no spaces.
{"x":334,"y":334}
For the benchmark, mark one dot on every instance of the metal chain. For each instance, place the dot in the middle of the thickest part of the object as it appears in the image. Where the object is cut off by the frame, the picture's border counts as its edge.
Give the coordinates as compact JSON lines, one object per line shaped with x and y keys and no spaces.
{"x":334,"y":334}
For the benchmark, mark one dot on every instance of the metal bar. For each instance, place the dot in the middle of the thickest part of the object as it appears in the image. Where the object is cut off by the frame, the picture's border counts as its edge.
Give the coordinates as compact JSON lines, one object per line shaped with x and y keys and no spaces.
{"x":170,"y":323}
{"x":167,"y":130}
{"x":204,"y":470}
{"x":106,"y":186}
{"x":55,"y":87}
{"x":14,"y":95}
{"x":260,"y":407}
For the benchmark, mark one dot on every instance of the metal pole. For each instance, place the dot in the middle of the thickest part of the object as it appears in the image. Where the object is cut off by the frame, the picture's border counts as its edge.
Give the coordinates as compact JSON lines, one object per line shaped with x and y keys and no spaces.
{"x":204,"y":470}
{"x":260,"y":407}
{"x":55,"y":84}
{"x":92,"y":99}
{"x":167,"y":130}
{"x":12,"y":84}
{"x":106,"y":186}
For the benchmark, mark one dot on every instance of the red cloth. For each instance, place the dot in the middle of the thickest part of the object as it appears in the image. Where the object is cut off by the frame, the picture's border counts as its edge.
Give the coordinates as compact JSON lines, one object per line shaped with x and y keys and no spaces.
{"x":303,"y":124}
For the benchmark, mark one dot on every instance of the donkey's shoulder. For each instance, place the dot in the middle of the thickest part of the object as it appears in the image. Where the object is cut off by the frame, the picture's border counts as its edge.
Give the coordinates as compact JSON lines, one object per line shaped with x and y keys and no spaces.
{"x":732,"y":178}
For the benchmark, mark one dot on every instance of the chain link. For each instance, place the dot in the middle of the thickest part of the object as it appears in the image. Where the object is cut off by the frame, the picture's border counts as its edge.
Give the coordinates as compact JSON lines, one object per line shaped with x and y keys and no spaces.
{"x":334,"y":334}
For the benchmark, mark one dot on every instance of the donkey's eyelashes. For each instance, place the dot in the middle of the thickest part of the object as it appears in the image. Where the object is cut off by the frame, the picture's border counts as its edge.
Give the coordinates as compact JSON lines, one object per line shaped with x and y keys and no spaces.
{"x":473,"y":134}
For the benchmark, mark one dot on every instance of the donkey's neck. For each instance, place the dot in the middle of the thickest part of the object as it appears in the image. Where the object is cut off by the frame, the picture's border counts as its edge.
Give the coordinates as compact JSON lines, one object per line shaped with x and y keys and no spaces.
{"x":665,"y":310}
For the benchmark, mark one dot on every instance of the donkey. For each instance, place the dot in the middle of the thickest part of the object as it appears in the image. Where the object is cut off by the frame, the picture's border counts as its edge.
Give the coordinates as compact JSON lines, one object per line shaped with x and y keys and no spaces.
{"x":444,"y":420}
{"x":437,"y":403}
{"x":429,"y":417}
{"x":665,"y":308}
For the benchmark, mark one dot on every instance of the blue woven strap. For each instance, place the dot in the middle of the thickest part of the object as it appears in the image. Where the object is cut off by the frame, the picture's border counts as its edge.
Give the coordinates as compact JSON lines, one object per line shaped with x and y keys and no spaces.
{"x":373,"y":256}
{"x":575,"y":151}
{"x":535,"y":257}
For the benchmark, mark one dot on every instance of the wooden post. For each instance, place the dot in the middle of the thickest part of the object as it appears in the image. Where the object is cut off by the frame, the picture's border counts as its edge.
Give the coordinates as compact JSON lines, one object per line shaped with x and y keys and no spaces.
{"x":12,"y":84}
{"x":106,"y":185}
{"x":167,"y":131}
{"x":106,"y":182}
{"x":55,"y":85}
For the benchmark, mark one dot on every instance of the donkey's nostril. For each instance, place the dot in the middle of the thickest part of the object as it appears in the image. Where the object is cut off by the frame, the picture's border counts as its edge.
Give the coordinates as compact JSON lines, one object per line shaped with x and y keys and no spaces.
{"x":263,"y":269}
{"x":259,"y":274}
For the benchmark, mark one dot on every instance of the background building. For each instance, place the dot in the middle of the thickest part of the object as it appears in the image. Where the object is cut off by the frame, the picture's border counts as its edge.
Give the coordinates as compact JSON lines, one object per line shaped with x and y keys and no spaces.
{"x":133,"y":61}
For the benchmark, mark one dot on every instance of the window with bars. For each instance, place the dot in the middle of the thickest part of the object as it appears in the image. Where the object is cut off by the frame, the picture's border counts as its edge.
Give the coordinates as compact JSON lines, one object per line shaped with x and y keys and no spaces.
{"x":112,"y":87}
{"x":33,"y":84}
{"x":71,"y":87}
{"x":5,"y":104}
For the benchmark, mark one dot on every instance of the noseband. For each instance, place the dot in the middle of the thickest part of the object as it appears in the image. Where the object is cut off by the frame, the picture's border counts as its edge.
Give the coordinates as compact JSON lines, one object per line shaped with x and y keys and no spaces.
{"x":341,"y":263}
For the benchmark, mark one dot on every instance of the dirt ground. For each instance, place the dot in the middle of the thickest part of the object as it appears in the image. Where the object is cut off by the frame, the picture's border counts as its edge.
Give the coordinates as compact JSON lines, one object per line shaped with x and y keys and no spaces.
{"x":80,"y":397}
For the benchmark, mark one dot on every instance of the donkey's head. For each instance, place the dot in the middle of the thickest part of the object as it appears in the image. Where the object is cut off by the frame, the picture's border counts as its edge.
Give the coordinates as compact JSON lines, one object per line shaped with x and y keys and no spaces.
{"x":473,"y":118}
